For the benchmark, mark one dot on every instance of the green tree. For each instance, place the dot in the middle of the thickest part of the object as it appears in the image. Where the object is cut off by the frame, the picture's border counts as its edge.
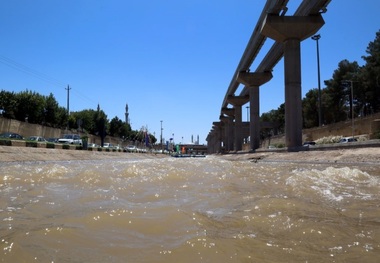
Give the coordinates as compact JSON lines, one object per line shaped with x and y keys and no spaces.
{"x":8,"y":104}
{"x":31,"y":107}
{"x":276,"y":117}
{"x":115,"y":127}
{"x":338,"y":91}
{"x":86,"y":120}
{"x":118,"y":128}
{"x":51,"y":111}
{"x":61,"y":117}
{"x":310,"y":109}
{"x":371,"y":76}
{"x":101,"y":124}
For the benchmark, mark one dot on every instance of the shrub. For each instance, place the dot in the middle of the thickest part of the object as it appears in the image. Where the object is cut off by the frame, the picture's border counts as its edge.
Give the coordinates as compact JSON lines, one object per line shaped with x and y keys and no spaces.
{"x":31,"y":144}
{"x":377,"y":135}
{"x":50,"y":145}
{"x":5,"y":142}
{"x":328,"y":140}
{"x":66,"y":146}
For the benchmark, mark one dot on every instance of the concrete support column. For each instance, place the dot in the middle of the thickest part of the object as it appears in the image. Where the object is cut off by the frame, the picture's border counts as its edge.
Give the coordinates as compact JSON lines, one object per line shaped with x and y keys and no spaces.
{"x":291,"y":30}
{"x":238,"y":139}
{"x":226,"y":133}
{"x":293,"y":93}
{"x":237,"y":102}
{"x":230,"y":134}
{"x":218,"y":131}
{"x":218,"y":143}
{"x":253,"y":81}
{"x":254,"y":117}
{"x":209,"y":140}
{"x":229,"y":128}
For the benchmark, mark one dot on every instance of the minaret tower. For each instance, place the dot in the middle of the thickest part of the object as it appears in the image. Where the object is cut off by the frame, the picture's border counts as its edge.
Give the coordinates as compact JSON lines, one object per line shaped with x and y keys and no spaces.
{"x":126,"y":114}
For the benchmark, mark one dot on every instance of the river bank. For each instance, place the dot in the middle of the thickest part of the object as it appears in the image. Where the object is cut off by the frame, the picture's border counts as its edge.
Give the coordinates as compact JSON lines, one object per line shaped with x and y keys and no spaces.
{"x":349,"y":156}
{"x":366,"y":155}
{"x":30,"y":154}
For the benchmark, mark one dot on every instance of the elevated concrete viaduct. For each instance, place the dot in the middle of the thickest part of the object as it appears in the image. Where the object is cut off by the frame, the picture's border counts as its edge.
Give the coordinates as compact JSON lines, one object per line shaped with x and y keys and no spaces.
{"x":217,"y":142}
{"x":288,"y":32}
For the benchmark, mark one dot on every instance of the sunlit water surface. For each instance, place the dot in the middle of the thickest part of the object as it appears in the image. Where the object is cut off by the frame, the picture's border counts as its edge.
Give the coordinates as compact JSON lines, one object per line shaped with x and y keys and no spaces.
{"x":188,"y":210}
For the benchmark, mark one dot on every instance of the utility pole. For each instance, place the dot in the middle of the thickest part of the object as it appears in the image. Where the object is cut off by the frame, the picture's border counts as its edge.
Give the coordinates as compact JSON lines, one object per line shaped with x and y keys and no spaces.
{"x":162,"y":146}
{"x":68,"y":104}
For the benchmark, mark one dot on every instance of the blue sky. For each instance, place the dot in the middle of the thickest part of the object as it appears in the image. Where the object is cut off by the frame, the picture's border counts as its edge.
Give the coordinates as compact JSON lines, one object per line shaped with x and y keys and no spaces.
{"x":169,"y":60}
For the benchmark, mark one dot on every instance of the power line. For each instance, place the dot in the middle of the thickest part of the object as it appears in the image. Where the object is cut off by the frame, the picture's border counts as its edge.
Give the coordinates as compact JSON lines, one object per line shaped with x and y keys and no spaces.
{"x":37,"y":74}
{"x":25,"y":69}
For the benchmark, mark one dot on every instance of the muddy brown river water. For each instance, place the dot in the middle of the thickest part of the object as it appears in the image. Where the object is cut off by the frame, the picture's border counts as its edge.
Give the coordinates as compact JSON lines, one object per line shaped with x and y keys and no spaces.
{"x":188,"y":210}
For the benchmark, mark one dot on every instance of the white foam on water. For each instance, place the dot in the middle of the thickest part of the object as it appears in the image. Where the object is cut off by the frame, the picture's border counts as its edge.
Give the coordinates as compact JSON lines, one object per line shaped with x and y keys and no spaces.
{"x":336,"y":184}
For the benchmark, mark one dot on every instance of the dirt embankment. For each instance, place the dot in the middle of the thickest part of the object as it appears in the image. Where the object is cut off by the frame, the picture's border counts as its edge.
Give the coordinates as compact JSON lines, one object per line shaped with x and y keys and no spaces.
{"x":369,"y":155}
{"x":24,"y":154}
{"x":349,"y":156}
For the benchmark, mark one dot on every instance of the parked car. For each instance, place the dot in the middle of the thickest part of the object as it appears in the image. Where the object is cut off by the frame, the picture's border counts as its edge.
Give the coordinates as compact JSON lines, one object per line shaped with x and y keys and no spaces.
{"x":311,"y":143}
{"x":93,"y":145}
{"x":53,"y":140}
{"x":71,"y":139}
{"x":347,"y":139}
{"x":107,"y":145}
{"x":131,"y":148}
{"x":37,"y":139}
{"x":11,"y":135}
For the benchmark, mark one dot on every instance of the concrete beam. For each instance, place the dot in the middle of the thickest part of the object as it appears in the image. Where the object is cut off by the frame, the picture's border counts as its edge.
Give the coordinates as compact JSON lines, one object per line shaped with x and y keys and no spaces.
{"x":281,"y":28}
{"x":229,"y":112}
{"x":237,"y":100}
{"x":254,"y":79}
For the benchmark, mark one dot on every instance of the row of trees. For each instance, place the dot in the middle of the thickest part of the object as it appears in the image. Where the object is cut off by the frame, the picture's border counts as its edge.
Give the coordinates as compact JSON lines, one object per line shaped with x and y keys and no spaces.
{"x":337,"y":104}
{"x":38,"y":109}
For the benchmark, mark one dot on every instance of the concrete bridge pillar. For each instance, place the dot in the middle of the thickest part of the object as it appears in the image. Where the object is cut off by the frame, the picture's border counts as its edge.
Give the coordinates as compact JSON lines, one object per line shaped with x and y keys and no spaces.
{"x":238,"y":102}
{"x":210,"y":143}
{"x":224,"y":135}
{"x":218,"y":130}
{"x":253,"y":81}
{"x":291,"y":30}
{"x":214,"y":142}
{"x":229,"y":128}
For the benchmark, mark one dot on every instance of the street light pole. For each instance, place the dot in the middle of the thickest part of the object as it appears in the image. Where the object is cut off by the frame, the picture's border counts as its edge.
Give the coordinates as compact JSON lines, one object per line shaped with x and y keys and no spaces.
{"x":352,"y":108}
{"x":316,"y":38}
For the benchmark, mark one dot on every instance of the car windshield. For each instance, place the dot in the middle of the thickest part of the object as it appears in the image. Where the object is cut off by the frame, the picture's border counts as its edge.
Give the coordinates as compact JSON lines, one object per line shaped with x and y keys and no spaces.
{"x":68,"y":136}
